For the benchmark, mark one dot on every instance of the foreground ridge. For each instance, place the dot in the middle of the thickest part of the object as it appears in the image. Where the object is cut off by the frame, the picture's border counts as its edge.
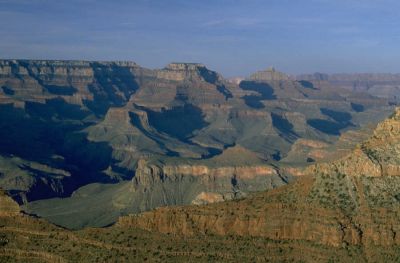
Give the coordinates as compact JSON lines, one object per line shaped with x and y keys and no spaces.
{"x":24,"y":238}
{"x":350,"y":202}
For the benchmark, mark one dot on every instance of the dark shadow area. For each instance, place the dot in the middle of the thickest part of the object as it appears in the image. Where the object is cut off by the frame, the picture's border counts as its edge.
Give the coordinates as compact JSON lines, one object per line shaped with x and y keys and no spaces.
{"x":328,"y":127}
{"x":339,"y":116}
{"x":307,"y":84}
{"x":61,"y":90}
{"x":341,"y":120}
{"x":213,"y":152}
{"x":253,"y":101}
{"x":208,"y":75}
{"x":47,"y":185}
{"x":283,"y":126}
{"x":181,"y":94}
{"x":24,"y":136}
{"x":234,"y":181}
{"x":135,"y":120}
{"x":179,"y":122}
{"x":357,"y":107}
{"x":65,"y":111}
{"x":224,"y":91}
{"x":90,"y":157}
{"x":53,"y":89}
{"x":37,"y":136}
{"x":113,"y":86}
{"x":8,"y":91}
{"x":128,"y":174}
{"x":277,"y":156}
{"x":56,"y":108}
{"x":98,"y":107}
{"x":15,"y":71}
{"x":265,"y":90}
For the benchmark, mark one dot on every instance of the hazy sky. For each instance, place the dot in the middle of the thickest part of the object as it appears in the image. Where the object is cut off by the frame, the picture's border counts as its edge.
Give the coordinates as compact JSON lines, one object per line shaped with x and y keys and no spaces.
{"x":234,"y":37}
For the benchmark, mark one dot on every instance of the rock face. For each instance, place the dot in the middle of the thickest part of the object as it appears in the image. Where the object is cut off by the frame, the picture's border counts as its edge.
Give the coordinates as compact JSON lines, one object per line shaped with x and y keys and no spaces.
{"x":187,"y":71}
{"x":380,"y":85}
{"x":154,"y":186}
{"x":228,"y":182}
{"x":254,"y":217}
{"x":30,"y":239}
{"x":8,"y":207}
{"x":269,"y":74}
{"x":349,"y":202}
{"x":69,"y":126}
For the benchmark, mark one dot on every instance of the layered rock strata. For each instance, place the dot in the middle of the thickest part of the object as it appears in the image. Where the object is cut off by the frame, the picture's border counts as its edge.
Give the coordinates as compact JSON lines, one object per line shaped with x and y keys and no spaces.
{"x":350,"y":202}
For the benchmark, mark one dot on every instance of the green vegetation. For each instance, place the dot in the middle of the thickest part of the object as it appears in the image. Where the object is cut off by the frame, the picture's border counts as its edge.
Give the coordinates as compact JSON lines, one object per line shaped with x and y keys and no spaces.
{"x":335,"y":190}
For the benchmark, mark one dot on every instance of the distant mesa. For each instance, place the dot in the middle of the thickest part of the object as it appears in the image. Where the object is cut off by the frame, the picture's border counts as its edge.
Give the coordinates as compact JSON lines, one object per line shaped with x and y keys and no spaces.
{"x":270,"y":74}
{"x":179,"y":71}
{"x":184,"y":66}
{"x":382,"y":85}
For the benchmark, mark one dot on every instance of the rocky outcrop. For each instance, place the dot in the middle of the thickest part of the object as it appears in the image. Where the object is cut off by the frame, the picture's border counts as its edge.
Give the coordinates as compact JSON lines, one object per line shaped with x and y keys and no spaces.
{"x":203,"y":170}
{"x":209,"y":198}
{"x":77,"y":82}
{"x":377,"y":156}
{"x":316,"y":151}
{"x":187,"y":71}
{"x":156,"y":185}
{"x":269,"y":74}
{"x":255,"y":217}
{"x":349,"y":202}
{"x":8,"y":207}
{"x":212,"y":184}
{"x":25,"y":238}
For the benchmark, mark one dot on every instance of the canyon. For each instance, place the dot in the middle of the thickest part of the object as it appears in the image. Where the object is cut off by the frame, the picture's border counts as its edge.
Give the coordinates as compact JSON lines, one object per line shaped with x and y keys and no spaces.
{"x":344,"y":210}
{"x":352,"y":201}
{"x":119,"y":138}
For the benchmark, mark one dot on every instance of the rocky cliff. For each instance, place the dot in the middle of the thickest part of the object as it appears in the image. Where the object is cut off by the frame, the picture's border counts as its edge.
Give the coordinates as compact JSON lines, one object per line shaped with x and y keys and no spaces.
{"x":25,"y":238}
{"x":349,"y":202}
{"x":69,"y":127}
{"x":155,"y":185}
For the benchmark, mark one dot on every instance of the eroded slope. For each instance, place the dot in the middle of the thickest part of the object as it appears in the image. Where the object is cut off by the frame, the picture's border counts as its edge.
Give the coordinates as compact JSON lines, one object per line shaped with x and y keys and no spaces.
{"x":351,"y":202}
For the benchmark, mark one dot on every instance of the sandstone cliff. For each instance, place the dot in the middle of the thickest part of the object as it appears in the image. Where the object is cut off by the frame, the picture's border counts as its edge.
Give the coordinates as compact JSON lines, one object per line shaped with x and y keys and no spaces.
{"x":70,"y":126}
{"x":25,"y":238}
{"x":350,"y":202}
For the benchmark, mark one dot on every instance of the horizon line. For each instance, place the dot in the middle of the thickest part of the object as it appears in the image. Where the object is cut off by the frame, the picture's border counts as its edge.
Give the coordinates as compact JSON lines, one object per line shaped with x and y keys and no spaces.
{"x":198,"y":63}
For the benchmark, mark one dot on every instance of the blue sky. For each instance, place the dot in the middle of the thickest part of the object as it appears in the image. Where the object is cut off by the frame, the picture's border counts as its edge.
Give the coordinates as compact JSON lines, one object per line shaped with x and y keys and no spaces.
{"x":234,"y":37}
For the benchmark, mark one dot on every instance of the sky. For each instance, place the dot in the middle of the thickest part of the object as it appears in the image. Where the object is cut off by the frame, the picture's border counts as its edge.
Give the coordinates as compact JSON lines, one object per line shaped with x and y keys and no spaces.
{"x":233,"y":37}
